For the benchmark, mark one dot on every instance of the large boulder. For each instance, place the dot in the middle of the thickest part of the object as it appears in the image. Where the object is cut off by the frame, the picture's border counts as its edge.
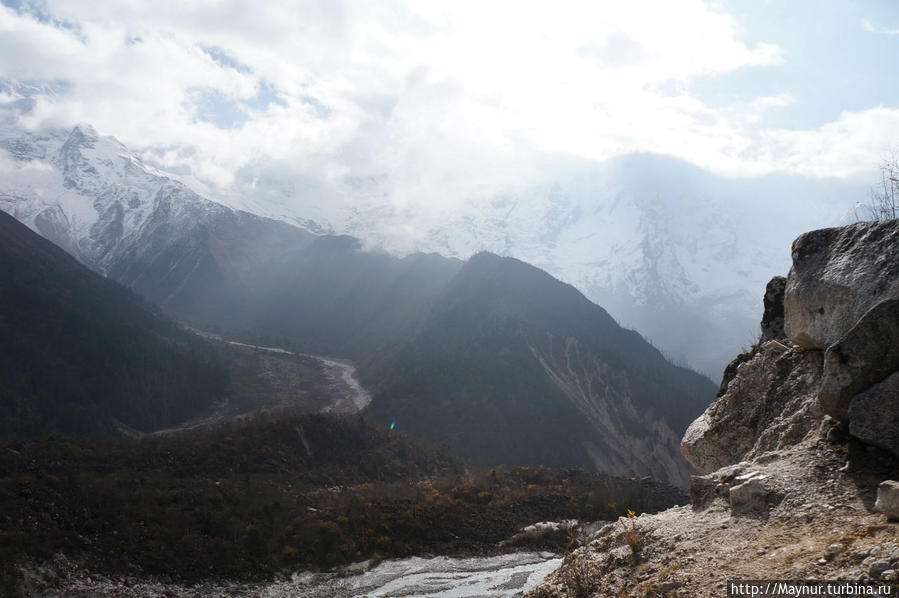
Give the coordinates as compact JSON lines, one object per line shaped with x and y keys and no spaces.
{"x":769,"y":404}
{"x":865,"y":355}
{"x":838,"y":274}
{"x":874,"y":415}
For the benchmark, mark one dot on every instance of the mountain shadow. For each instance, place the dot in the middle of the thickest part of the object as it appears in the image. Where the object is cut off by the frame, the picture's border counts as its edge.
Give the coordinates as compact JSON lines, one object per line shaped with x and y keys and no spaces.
{"x":513,"y":366}
{"x":82,"y":354}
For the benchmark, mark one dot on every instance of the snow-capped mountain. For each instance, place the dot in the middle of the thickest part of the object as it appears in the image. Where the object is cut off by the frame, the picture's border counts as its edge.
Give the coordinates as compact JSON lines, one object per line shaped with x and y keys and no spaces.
{"x":670,"y":250}
{"x":91,"y":195}
{"x":96,"y":199}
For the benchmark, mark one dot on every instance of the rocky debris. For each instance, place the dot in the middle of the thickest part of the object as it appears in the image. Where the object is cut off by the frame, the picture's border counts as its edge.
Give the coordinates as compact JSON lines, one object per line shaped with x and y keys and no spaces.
{"x":865,"y":355}
{"x":773,"y":317}
{"x":705,"y":489}
{"x":888,"y":499}
{"x":811,"y":522}
{"x":878,"y":568}
{"x":769,"y":404}
{"x":555,"y":535}
{"x":838,"y":274}
{"x":874,"y":415}
{"x":742,"y":488}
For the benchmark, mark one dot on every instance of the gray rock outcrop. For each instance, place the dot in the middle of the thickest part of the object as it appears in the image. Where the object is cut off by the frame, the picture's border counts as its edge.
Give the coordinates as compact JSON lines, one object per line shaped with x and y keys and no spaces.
{"x":776,"y":460}
{"x":842,"y":296}
{"x":874,"y":415}
{"x":838,"y":274}
{"x":863,"y":356}
{"x":773,"y":317}
{"x":770,"y":403}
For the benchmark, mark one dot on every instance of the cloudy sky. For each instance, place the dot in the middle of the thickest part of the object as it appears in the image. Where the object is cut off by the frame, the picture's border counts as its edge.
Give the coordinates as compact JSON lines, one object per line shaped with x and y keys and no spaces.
{"x":456,"y":99}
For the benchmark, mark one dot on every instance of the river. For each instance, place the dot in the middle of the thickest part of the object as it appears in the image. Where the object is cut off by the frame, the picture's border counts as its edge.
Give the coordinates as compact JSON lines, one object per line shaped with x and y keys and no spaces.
{"x":504,"y":576}
{"x":439,"y":577}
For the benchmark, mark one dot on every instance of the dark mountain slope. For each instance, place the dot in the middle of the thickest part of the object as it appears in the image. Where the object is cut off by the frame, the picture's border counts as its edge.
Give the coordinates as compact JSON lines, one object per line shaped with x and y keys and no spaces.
{"x":79,"y":352}
{"x":333,"y":297}
{"x":513,"y":366}
{"x":203,"y":266}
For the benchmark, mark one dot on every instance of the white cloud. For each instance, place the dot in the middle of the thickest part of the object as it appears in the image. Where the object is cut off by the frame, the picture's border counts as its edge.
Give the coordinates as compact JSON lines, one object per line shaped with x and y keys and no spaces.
{"x":872,"y":28}
{"x":427,"y":103}
{"x":853,"y":143}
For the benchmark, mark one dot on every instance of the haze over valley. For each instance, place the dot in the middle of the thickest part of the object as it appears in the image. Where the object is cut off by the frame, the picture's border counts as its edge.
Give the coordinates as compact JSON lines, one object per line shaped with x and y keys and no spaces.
{"x":446,"y":299}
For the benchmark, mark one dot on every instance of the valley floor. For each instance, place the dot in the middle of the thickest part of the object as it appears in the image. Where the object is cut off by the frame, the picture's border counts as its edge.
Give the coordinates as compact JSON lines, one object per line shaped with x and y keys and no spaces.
{"x":286,"y":381}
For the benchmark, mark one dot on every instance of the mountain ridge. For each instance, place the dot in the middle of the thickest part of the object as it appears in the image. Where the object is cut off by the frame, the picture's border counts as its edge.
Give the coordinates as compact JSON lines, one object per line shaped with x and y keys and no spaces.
{"x":575,"y":382}
{"x":223,"y":270}
{"x":613,"y":229}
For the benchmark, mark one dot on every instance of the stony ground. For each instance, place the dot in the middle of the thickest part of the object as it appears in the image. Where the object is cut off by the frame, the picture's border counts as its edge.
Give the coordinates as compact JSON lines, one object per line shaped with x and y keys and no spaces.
{"x":817,"y":522}
{"x":502,"y":576}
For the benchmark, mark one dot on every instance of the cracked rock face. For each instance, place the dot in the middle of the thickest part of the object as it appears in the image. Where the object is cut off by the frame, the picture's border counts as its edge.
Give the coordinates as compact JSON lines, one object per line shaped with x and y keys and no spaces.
{"x":862,"y":357}
{"x":838,"y":274}
{"x":769,"y":404}
{"x":874,"y":415}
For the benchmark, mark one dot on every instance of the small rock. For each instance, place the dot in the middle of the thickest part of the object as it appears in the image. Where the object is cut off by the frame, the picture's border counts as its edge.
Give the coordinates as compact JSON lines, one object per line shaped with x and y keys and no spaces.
{"x":888,"y":499}
{"x":822,"y":561}
{"x":669,"y":586}
{"x":890,"y":575}
{"x":833,"y":550}
{"x":749,"y":496}
{"x":878,"y":567}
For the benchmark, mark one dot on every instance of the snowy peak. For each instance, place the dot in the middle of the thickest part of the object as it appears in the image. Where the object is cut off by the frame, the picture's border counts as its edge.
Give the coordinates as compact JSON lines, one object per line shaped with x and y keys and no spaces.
{"x":669,"y":249}
{"x":90,"y":194}
{"x":85,"y":130}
